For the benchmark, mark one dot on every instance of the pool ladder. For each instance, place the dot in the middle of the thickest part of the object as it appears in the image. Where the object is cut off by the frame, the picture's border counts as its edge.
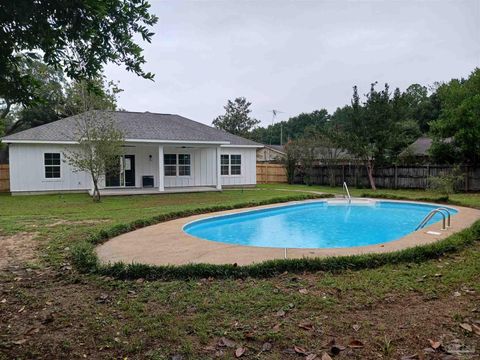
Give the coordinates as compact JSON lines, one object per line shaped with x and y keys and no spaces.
{"x":442,"y":211}
{"x":347,"y":193}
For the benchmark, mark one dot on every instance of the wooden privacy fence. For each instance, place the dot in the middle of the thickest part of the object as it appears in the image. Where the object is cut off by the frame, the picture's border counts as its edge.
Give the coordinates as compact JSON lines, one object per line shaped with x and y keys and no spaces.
{"x":4,"y":178}
{"x":392,"y":177}
{"x":271,"y":173}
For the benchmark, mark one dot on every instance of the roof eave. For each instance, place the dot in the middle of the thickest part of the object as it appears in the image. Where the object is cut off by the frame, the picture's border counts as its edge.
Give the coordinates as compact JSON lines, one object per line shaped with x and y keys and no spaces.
{"x":22,"y":141}
{"x":242,"y":146}
{"x":150,"y":141}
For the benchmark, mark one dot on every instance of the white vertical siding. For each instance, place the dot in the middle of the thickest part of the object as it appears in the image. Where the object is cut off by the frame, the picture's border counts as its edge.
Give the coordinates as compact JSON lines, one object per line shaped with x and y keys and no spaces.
{"x":248,"y":174}
{"x":203,"y":167}
{"x":27,"y":167}
{"x":27,"y":171}
{"x":144,"y":164}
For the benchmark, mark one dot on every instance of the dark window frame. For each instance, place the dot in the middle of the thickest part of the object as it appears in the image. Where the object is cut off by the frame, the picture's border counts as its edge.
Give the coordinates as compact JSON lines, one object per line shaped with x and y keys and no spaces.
{"x":182,"y":164}
{"x":52,"y":165}
{"x":231,"y":164}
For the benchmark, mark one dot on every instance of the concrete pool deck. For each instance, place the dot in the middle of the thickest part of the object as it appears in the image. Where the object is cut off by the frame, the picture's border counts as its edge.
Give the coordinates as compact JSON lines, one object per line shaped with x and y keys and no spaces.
{"x":166,"y":243}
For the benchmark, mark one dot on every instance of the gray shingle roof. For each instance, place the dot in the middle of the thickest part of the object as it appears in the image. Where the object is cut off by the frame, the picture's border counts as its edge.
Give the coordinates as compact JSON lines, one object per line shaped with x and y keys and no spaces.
{"x":421,"y":146}
{"x":136,"y":126}
{"x":279,"y":148}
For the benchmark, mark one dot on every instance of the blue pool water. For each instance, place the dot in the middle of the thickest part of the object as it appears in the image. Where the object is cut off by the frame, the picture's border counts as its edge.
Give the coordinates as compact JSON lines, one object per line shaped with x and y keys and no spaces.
{"x":315,"y":225}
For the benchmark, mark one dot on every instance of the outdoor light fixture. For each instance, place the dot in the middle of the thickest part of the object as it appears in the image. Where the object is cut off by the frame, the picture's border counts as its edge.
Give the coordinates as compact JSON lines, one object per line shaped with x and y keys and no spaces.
{"x":150,"y":157}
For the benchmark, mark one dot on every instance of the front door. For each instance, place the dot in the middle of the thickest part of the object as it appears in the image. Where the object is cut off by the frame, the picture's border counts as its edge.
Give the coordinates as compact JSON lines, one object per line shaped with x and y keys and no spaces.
{"x":129,"y":166}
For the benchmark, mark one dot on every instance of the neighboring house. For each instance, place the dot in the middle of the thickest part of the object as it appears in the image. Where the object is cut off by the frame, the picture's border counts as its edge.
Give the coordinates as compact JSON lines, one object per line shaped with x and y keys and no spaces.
{"x":333,"y":156}
{"x":163,"y":152}
{"x":418,"y":151}
{"x":419,"y":148}
{"x":270,"y":153}
{"x":275,"y":153}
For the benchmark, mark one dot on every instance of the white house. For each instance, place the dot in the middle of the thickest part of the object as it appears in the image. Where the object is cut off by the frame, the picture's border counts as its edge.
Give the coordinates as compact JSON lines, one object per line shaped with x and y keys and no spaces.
{"x":163,"y":153}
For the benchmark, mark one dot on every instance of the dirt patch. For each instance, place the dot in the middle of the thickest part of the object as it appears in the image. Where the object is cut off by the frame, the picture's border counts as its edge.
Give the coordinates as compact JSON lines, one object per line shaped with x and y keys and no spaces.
{"x":79,"y":222}
{"x":49,"y":315}
{"x":17,"y":249}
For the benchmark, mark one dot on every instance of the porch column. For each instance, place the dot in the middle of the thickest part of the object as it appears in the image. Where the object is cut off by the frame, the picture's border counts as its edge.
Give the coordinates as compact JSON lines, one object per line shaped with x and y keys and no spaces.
{"x":161,"y":170}
{"x":219,"y":173}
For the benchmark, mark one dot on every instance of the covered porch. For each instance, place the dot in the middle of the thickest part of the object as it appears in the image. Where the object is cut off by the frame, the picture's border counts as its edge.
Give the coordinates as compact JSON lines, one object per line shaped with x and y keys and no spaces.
{"x":152,"y":168}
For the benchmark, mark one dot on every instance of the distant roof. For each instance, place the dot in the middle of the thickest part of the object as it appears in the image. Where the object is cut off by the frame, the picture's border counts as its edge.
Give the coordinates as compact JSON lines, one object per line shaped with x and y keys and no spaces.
{"x":136,"y":126}
{"x":278,"y":148}
{"x":420,"y":146}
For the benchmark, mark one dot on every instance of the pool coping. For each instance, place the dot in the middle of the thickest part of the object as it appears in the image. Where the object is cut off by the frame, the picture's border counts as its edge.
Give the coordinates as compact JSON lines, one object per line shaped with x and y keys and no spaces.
{"x":167,"y":244}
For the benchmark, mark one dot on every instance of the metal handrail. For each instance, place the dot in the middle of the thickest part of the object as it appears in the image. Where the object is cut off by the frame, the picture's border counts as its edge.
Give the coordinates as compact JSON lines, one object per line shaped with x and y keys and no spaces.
{"x":448,"y":214}
{"x":431,"y":214}
{"x":345,"y":188}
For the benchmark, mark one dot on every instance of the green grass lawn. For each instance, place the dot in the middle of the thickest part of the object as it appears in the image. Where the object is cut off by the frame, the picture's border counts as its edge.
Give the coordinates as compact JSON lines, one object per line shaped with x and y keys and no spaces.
{"x":51,"y":311}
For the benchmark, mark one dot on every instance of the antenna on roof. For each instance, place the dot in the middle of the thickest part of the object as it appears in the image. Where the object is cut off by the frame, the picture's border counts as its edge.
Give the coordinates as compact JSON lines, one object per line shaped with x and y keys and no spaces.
{"x":274,"y":116}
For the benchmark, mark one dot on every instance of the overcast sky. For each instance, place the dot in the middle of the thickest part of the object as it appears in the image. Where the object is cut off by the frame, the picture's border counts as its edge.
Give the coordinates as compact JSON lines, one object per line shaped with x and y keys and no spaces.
{"x":296,"y":56}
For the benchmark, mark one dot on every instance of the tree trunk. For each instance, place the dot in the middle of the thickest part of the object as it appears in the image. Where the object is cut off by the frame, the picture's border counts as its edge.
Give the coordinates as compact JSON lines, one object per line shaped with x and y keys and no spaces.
{"x":96,"y":191}
{"x":370,"y":175}
{"x":331,"y":175}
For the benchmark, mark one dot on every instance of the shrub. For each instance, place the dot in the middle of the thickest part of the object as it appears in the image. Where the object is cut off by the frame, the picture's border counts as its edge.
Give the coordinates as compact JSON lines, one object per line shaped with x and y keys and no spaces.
{"x":446,"y":184}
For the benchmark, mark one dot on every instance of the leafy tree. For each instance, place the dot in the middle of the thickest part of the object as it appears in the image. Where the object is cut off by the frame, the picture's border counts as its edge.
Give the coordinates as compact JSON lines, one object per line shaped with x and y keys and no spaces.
{"x":99,"y":147}
{"x":419,"y":106}
{"x":443,"y":151}
{"x":307,"y":157}
{"x":236,"y":120}
{"x":49,"y":93}
{"x":405,"y":133}
{"x":98,"y":93}
{"x":293,"y":128}
{"x":329,"y":150}
{"x":291,"y":160}
{"x":368,"y":128}
{"x":59,"y":98}
{"x":78,"y":36}
{"x":459,"y":118}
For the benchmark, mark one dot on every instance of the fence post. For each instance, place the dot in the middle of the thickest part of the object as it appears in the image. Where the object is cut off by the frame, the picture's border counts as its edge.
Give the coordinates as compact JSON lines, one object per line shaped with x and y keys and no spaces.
{"x":467,"y":175}
{"x":428,"y":176}
{"x":343,"y":174}
{"x":355,"y":175}
{"x":396,"y":177}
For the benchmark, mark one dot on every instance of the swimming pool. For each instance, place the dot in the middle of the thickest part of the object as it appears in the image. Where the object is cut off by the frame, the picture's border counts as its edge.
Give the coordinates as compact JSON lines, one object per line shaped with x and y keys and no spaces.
{"x":318,"y":224}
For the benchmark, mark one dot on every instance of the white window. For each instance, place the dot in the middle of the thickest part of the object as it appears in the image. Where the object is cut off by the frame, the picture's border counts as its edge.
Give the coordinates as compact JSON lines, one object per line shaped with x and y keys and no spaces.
{"x":235,"y":164}
{"x":231,"y":164}
{"x":184,"y":165}
{"x":51,"y":162}
{"x":225,"y":162}
{"x":170,"y":164}
{"x":177,"y":164}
